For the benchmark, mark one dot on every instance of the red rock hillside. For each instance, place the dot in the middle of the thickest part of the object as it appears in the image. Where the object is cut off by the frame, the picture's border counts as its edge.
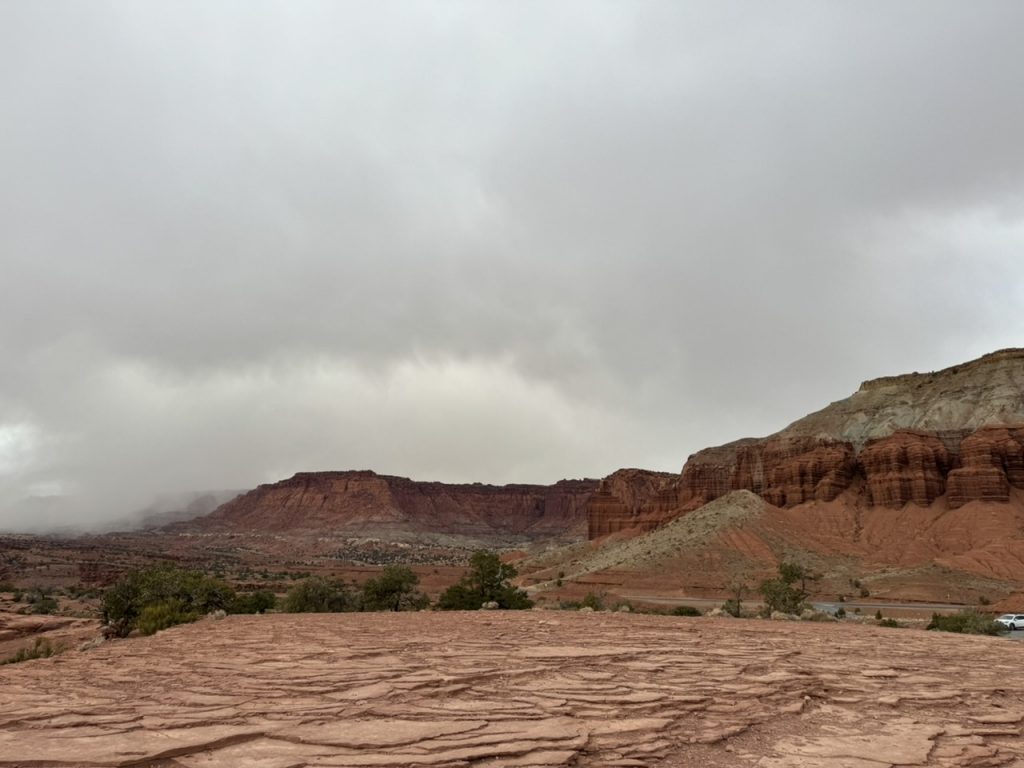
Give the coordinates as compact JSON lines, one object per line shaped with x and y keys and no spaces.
{"x":365,"y":503}
{"x":956,"y":434}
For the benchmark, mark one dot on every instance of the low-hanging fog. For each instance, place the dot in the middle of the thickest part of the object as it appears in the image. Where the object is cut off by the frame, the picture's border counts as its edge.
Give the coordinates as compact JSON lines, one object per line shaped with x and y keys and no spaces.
{"x":505,"y":242}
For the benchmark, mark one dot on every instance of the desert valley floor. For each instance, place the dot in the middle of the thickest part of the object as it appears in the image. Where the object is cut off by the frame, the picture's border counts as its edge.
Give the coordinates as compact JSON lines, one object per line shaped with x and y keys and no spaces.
{"x":518,"y":689}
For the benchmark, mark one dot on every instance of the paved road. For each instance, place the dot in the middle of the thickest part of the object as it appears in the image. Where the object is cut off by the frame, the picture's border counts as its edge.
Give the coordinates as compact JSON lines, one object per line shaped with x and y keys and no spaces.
{"x":830,"y":607}
{"x":849,"y":606}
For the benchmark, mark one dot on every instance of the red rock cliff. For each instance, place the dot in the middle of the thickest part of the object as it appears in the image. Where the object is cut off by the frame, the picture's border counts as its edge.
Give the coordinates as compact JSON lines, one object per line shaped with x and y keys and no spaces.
{"x":365,"y":503}
{"x":914,"y":438}
{"x":632,"y":498}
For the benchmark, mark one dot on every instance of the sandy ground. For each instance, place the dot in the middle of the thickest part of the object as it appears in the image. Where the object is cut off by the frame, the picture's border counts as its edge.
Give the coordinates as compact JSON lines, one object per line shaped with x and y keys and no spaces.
{"x":515,"y":689}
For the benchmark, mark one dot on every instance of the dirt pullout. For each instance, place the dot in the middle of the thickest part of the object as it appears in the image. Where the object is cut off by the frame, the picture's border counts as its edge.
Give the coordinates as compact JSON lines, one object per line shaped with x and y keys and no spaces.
{"x":517,"y":689}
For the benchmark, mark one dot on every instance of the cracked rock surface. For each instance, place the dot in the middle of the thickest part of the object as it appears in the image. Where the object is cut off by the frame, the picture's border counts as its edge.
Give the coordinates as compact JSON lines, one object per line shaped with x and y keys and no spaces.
{"x":518,"y":689}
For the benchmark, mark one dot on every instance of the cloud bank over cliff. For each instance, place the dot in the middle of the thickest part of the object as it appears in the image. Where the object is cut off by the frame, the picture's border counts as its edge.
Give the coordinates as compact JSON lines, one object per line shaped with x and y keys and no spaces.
{"x":481,"y":241}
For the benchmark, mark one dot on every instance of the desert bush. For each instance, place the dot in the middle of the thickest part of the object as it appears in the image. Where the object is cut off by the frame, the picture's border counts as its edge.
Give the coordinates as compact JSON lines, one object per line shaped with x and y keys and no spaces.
{"x":841,"y":613}
{"x":878,"y":615}
{"x":40,"y":649}
{"x":394,"y":590}
{"x":686,"y":610}
{"x":253,"y":602}
{"x":783,"y":593}
{"x":319,"y":595}
{"x":592,"y":601}
{"x":984,"y":601}
{"x":888,"y":623}
{"x":865,"y":592}
{"x":193,"y":592}
{"x":157,"y":616}
{"x":967,"y":622}
{"x":488,"y":580}
{"x":733,"y":607}
{"x":40,"y":602}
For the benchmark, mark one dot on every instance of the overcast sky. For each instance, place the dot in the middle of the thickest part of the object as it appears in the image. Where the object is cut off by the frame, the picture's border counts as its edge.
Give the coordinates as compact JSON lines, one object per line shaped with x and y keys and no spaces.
{"x":505,"y":242}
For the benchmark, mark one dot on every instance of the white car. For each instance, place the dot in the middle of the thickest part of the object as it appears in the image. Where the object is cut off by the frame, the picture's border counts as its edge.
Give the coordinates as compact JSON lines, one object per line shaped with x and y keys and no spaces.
{"x":1012,"y":621}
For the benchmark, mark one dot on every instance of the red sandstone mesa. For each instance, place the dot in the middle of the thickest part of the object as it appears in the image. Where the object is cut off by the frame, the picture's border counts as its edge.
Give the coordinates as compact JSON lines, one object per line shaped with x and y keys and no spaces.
{"x":364,"y":502}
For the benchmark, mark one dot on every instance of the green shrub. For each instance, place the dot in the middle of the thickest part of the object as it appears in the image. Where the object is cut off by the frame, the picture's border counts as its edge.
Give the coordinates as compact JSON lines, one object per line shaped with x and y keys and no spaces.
{"x":686,"y":610}
{"x":318,"y":595}
{"x":194,"y":593}
{"x":488,"y":581}
{"x":42,"y":604}
{"x":841,"y":613}
{"x":40,"y":649}
{"x":394,"y":590}
{"x":253,"y":602}
{"x":157,"y":616}
{"x":592,"y":601}
{"x":864,"y":592}
{"x":733,"y":607}
{"x":888,"y":623}
{"x":782,"y":593}
{"x":967,"y":622}
{"x":878,"y":615}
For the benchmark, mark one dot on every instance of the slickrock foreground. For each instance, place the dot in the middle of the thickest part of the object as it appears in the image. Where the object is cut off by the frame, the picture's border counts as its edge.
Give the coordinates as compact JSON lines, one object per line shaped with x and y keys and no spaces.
{"x":518,"y":689}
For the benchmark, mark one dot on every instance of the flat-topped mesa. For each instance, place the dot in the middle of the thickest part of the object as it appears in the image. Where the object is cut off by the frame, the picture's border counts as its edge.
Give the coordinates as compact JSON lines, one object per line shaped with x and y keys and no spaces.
{"x":958,"y":432}
{"x":632,"y":499}
{"x":365,"y":503}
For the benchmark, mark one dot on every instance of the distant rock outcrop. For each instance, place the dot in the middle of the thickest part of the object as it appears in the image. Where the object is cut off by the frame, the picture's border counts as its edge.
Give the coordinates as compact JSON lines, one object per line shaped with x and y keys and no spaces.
{"x":363,"y":503}
{"x":957,"y":433}
{"x":632,"y":498}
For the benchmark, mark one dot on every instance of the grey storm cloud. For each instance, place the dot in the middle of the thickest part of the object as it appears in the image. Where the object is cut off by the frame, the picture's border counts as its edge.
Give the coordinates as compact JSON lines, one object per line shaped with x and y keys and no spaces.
{"x":481,"y":241}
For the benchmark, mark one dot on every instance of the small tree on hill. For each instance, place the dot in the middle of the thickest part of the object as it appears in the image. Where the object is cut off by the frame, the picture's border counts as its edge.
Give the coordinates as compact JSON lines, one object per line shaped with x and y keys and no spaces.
{"x":488,"y":581}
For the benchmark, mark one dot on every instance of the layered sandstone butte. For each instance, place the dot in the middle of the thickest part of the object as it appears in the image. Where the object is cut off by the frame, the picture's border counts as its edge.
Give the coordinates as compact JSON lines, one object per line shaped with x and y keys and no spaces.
{"x":957,"y":433}
{"x":365,"y":503}
{"x":632,"y":498}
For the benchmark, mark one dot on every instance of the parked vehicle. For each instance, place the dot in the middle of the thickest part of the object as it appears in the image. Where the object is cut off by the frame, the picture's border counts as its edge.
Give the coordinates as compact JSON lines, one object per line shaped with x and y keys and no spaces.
{"x":1012,"y":621}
